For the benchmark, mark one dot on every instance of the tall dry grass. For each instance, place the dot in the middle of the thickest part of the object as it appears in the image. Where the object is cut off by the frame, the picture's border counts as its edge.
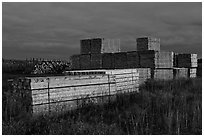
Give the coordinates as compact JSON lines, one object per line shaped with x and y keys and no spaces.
{"x":161,"y":107}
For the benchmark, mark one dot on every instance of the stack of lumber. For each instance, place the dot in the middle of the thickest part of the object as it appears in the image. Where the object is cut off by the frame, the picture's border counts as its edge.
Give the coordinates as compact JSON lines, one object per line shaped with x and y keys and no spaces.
{"x":144,"y":74}
{"x":84,"y":72}
{"x":99,"y":45}
{"x":187,"y":60}
{"x":19,"y":99}
{"x":133,"y":59}
{"x":85,"y":61}
{"x":162,"y":74}
{"x":175,"y":60}
{"x":96,"y":61}
{"x":57,"y":94}
{"x":108,"y":61}
{"x":120,"y":60}
{"x":199,"y":68}
{"x":192,"y":72}
{"x":110,"y":45}
{"x":85,"y":46}
{"x":75,"y":62}
{"x":180,"y":73}
{"x":127,"y":80}
{"x":148,"y":43}
{"x":96,"y":45}
{"x":156,"y":59}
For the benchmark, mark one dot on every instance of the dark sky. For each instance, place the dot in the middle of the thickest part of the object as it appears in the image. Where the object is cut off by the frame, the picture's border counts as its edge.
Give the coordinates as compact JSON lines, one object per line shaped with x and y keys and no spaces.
{"x":54,"y":30}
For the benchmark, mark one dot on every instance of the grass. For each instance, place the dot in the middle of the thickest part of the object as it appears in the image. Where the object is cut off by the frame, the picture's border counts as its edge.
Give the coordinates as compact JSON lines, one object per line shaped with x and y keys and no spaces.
{"x":161,"y":107}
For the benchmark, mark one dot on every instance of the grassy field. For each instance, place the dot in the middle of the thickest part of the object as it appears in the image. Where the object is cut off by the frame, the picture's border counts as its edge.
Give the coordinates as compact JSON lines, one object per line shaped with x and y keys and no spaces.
{"x":171,"y":107}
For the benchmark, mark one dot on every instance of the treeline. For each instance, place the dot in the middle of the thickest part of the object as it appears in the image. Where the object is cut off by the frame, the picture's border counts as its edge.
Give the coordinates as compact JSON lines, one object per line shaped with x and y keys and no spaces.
{"x":34,"y":66}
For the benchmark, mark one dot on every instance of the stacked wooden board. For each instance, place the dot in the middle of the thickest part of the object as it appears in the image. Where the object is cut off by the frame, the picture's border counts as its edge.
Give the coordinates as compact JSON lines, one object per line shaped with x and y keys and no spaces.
{"x":96,"y":61}
{"x":58,"y":94}
{"x":192,"y":72}
{"x":99,"y":45}
{"x":120,"y":60}
{"x":85,"y":46}
{"x":148,"y":55}
{"x":110,"y":46}
{"x":108,"y":61}
{"x":75,"y":62}
{"x":148,"y":43}
{"x":144,"y":73}
{"x":155,"y":59}
{"x":53,"y":93}
{"x":85,"y":61}
{"x":162,"y":74}
{"x":127,"y":80}
{"x":187,"y":60}
{"x":18,"y":100}
{"x":180,"y":73}
{"x":133,"y":60}
{"x":199,"y":68}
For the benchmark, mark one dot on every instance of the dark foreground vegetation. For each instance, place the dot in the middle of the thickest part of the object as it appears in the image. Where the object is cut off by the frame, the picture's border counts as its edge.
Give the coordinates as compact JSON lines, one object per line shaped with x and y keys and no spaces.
{"x":171,"y":107}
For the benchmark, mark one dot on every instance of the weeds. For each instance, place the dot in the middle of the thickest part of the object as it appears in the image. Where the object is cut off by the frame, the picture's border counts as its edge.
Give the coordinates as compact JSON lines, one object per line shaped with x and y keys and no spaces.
{"x":161,"y":107}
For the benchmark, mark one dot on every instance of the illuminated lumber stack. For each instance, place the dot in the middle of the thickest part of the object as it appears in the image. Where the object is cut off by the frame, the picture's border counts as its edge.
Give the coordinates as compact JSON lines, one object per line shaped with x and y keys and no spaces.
{"x":58,"y":94}
{"x":187,"y":60}
{"x":180,"y":73}
{"x":156,"y":59}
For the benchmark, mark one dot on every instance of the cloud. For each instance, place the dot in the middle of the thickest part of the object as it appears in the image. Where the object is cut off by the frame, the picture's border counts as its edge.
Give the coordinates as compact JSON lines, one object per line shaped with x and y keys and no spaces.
{"x":45,"y":29}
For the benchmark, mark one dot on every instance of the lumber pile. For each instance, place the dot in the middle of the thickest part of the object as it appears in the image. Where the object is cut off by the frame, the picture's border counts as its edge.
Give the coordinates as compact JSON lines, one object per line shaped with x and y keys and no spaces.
{"x":96,"y":61}
{"x":75,"y":62}
{"x":18,"y":98}
{"x":162,"y":74}
{"x":144,"y":74}
{"x":180,"y":73}
{"x":98,"y":73}
{"x":150,"y":56}
{"x":85,"y":61}
{"x":120,"y":60}
{"x":99,"y":45}
{"x":156,"y":59}
{"x":85,"y":46}
{"x":58,"y":94}
{"x":192,"y":72}
{"x":133,"y":60}
{"x":148,"y":43}
{"x":108,"y":61}
{"x":187,"y":60}
{"x":110,"y":46}
{"x":199,"y":68}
